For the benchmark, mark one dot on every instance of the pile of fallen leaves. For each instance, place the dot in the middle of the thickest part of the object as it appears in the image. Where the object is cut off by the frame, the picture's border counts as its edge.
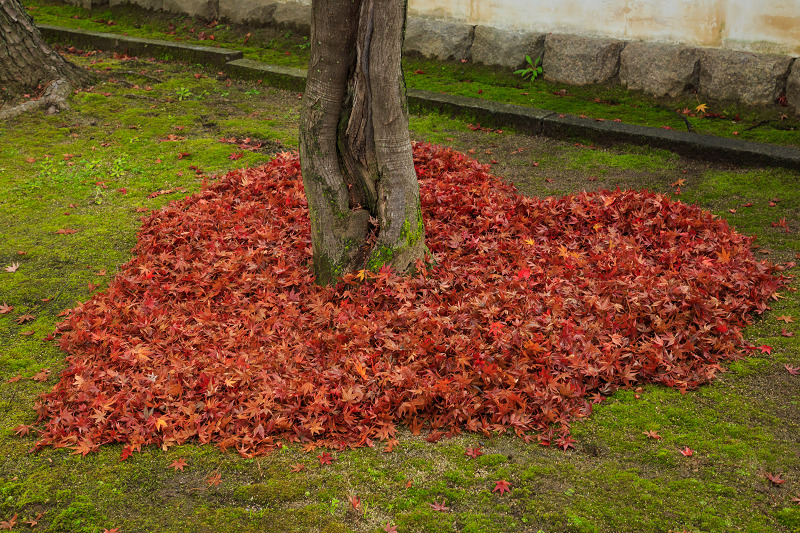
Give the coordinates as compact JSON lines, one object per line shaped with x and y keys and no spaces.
{"x":531,"y":310}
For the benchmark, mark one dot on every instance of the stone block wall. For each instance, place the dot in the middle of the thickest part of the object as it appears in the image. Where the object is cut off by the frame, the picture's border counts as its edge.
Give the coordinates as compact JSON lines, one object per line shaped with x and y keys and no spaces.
{"x":658,"y":69}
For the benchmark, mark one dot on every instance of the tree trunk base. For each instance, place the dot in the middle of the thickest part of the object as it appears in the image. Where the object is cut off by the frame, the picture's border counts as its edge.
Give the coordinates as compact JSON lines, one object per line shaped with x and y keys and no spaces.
{"x":53,"y":100}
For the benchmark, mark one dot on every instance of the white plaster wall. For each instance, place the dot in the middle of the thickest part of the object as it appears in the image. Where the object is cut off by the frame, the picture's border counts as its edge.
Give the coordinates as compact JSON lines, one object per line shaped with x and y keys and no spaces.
{"x":757,"y":25}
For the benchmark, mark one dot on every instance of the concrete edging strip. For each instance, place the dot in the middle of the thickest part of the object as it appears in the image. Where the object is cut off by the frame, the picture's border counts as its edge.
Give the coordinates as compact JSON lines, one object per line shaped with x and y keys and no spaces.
{"x":529,"y":120}
{"x":140,"y":47}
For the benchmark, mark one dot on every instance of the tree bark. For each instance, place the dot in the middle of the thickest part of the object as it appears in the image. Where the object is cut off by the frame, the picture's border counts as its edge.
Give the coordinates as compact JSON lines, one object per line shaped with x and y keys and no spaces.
{"x":355,"y":150}
{"x":27,"y":63}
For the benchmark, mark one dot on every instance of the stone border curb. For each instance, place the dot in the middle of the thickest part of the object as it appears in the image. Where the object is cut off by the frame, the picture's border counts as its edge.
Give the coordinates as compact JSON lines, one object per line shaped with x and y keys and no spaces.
{"x":140,"y":47}
{"x":525,"y":119}
{"x":292,"y":79}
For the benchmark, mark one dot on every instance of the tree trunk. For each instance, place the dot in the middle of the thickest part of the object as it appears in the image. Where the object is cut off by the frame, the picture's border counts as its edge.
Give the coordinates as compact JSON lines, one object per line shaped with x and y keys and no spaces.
{"x":355,"y":150}
{"x":26,"y":61}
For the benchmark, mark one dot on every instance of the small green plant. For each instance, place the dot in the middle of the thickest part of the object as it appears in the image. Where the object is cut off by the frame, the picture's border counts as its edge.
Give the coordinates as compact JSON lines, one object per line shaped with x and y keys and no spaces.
{"x":334,"y":504}
{"x":118,"y":167}
{"x":533,"y":71}
{"x":253,"y":92}
{"x":183,"y":93}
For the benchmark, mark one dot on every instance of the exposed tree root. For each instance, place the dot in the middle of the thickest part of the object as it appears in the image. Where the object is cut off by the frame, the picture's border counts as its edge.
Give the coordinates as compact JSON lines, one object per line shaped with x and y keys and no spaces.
{"x":54,"y":99}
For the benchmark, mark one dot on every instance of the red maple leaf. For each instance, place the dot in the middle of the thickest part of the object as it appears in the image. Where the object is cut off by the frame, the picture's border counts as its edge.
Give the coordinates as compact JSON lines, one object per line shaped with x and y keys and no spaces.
{"x":214,"y":479}
{"x":765,"y":349}
{"x":390,"y":528}
{"x":565,"y":442}
{"x":325,"y":458}
{"x":41,"y":375}
{"x":126,"y":452}
{"x":178,"y":464}
{"x":10,"y":523}
{"x":785,"y":318}
{"x":21,"y":319}
{"x":786,"y":333}
{"x":687,"y":452}
{"x":236,"y":155}
{"x":441,"y":507}
{"x":796,"y":499}
{"x":297,"y":467}
{"x":473,"y":453}
{"x":5,"y":308}
{"x":653,"y":434}
{"x":22,"y":429}
{"x":775,"y":479}
{"x":66,"y":231}
{"x":355,"y":503}
{"x":501,"y":486}
{"x":792,"y":370}
{"x":12,"y":267}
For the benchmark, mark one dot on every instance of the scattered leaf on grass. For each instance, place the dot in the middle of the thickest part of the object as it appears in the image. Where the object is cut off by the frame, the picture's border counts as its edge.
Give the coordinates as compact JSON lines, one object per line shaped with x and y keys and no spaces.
{"x":41,"y":375}
{"x":355,"y":503}
{"x":652,"y":435}
{"x":775,"y":479}
{"x":325,"y":458}
{"x":785,"y":318}
{"x":473,"y":453}
{"x":12,"y":267}
{"x":298,"y":467}
{"x":687,"y":452}
{"x":178,"y":464}
{"x":792,"y":370}
{"x":214,"y":479}
{"x":22,"y":429}
{"x":441,"y":507}
{"x":10,"y":523}
{"x":5,"y":308}
{"x":501,"y":486}
{"x":21,"y":319}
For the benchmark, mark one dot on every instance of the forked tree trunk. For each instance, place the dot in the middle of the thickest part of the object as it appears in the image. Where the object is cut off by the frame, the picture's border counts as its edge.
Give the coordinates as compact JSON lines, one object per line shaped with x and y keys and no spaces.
{"x":355,"y":150}
{"x":27,"y":63}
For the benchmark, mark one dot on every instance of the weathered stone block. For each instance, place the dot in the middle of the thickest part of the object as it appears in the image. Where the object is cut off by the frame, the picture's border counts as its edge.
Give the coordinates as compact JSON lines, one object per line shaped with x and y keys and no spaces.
{"x":581,"y":60}
{"x":247,"y":11}
{"x":293,"y":15}
{"x":438,"y":39}
{"x":752,"y":79}
{"x":85,"y":4}
{"x":193,"y":8}
{"x":153,"y":5}
{"x":494,"y":46}
{"x":659,"y":69}
{"x":793,"y":87}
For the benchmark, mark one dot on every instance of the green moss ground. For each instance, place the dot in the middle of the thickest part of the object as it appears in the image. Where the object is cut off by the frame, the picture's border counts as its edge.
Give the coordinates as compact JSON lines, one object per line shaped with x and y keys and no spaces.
{"x":743,"y":425}
{"x":281,"y":47}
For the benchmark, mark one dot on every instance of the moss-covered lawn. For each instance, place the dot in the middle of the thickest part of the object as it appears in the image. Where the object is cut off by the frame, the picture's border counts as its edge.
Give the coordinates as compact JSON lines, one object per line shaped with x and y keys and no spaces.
{"x":150,"y":132}
{"x":772,"y":123}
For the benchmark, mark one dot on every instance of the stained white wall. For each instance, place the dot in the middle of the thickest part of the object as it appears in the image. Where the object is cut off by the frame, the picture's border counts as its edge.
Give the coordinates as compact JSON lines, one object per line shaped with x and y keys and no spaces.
{"x":755,"y":25}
